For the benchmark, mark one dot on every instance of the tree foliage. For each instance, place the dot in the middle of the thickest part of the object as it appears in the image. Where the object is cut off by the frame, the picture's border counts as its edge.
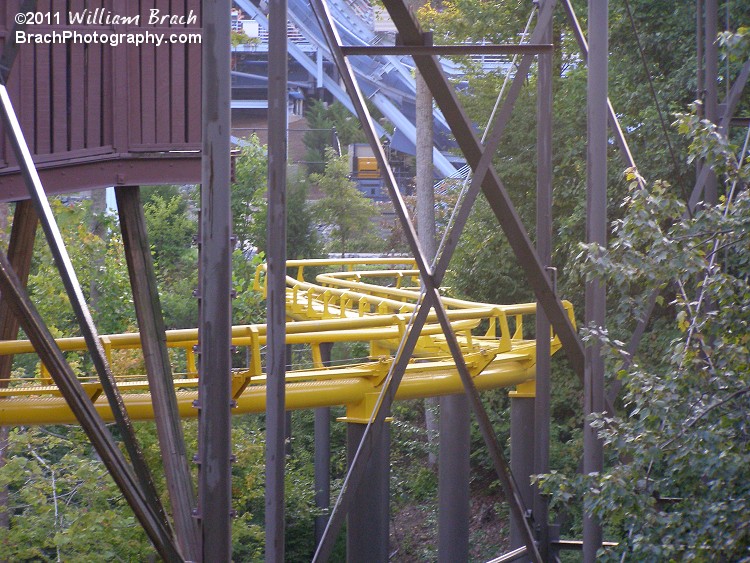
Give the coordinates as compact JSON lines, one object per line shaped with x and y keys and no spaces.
{"x":250,"y":206}
{"x":248,"y":194}
{"x":322,"y":120}
{"x":671,"y":448}
{"x":63,"y":504}
{"x":343,"y":208}
{"x":114,"y":311}
{"x":680,"y":490}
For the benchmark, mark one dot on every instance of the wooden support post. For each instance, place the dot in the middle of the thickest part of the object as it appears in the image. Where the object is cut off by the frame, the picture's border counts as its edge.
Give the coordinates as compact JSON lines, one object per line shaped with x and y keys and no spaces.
{"x":158,"y":369}
{"x":20,"y":251}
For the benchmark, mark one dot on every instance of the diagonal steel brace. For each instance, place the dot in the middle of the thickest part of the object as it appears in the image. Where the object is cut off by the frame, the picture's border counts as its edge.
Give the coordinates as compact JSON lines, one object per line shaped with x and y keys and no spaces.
{"x":75,"y":294}
{"x":492,"y":187}
{"x":431,"y":300}
{"x":493,"y":141}
{"x":19,"y":302}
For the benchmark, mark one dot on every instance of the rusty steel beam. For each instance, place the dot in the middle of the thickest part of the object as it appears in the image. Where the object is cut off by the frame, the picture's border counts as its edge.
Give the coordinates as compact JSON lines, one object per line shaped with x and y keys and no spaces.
{"x":158,"y":369}
{"x":48,"y":351}
{"x":77,"y":301}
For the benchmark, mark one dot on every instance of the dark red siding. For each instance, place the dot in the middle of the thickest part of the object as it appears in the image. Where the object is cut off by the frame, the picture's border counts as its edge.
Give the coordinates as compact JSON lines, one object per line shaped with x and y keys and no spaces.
{"x":79,"y":104}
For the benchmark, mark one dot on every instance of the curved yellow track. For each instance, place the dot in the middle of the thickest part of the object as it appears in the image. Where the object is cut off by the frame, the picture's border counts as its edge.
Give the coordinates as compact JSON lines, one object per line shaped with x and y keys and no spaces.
{"x":366,"y":300}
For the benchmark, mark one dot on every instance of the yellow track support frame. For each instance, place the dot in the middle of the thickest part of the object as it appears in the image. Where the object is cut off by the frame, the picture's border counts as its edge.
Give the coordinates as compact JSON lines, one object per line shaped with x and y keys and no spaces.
{"x":362,"y":301}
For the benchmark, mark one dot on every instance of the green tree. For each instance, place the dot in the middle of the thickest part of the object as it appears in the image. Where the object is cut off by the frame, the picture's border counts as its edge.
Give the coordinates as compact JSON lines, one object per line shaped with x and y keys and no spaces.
{"x":343,"y":208}
{"x":171,"y":225}
{"x":248,"y":194}
{"x":680,"y":490}
{"x":170,"y":229}
{"x":64,"y":505}
{"x":322,"y":119}
{"x":249,"y":206}
{"x":302,"y":239}
{"x":93,"y":258}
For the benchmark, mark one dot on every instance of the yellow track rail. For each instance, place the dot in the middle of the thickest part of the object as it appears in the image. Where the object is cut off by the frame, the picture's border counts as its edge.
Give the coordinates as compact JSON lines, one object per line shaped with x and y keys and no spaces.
{"x":362,"y":302}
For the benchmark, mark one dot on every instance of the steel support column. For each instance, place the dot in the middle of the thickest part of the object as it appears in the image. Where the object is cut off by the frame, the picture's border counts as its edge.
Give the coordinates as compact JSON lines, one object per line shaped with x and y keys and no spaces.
{"x":288,"y":414}
{"x":367,"y":523}
{"x":276,"y":274}
{"x":454,"y":497}
{"x":522,"y":442}
{"x":215,"y":271}
{"x":158,"y":369}
{"x":371,"y":435}
{"x":541,"y":415}
{"x":322,"y":455}
{"x":614,"y":122}
{"x":596,"y":232}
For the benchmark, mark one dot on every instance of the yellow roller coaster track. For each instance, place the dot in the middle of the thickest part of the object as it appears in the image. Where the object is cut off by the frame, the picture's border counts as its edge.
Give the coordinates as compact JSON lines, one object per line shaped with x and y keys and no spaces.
{"x":367,"y":300}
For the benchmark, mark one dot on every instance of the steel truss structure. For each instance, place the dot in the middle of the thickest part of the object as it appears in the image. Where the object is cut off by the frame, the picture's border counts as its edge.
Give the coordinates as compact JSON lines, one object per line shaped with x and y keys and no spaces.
{"x":201,"y":528}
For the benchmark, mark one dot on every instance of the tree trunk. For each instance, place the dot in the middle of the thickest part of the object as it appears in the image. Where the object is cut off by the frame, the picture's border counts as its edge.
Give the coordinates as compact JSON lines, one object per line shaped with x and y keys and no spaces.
{"x":426,"y":223}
